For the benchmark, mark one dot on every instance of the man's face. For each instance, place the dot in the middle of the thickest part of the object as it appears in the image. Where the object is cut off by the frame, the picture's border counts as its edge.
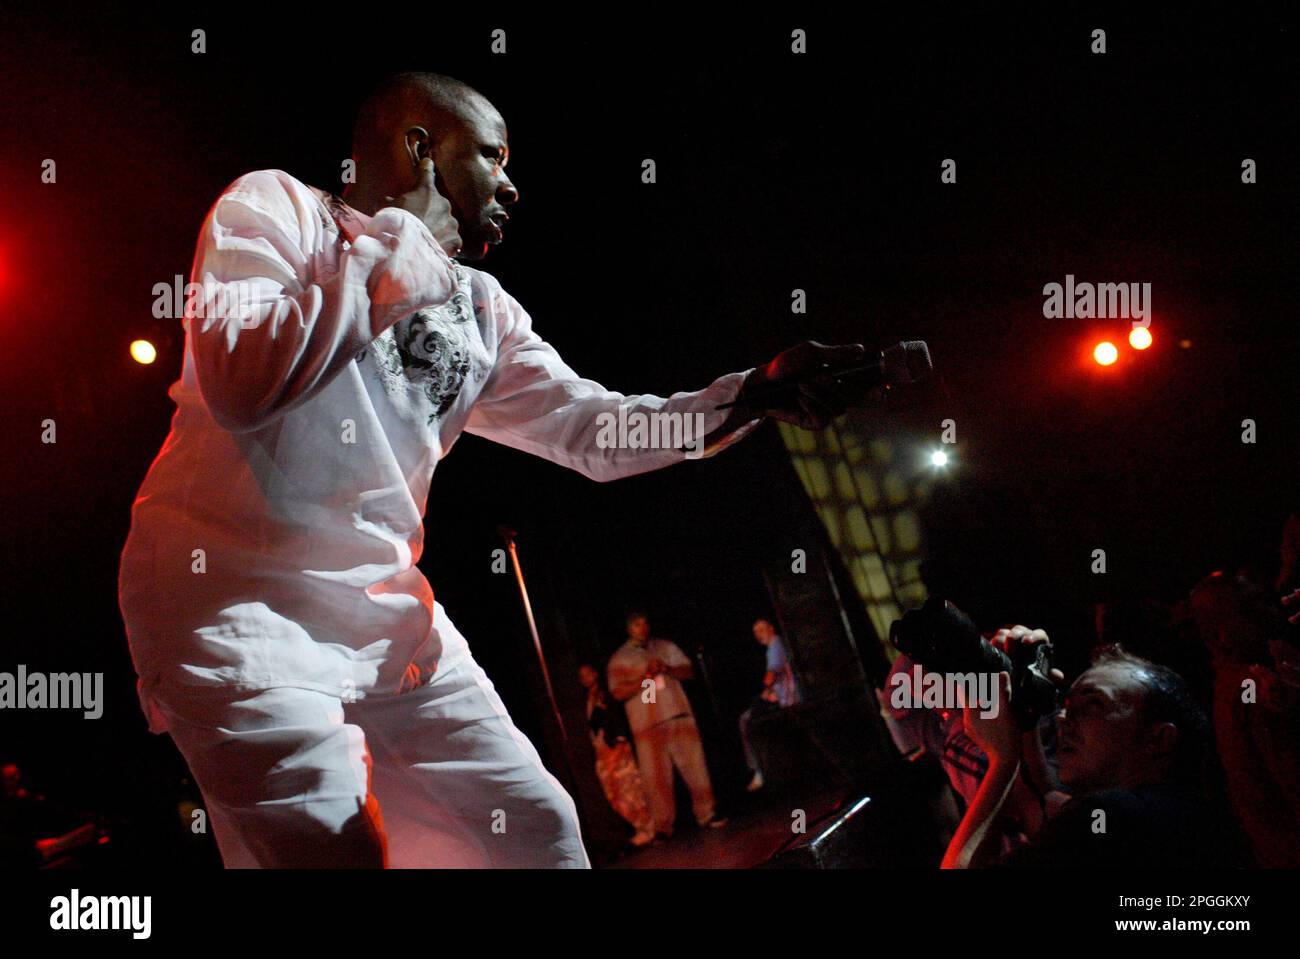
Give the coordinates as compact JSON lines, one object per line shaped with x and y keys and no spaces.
{"x":638,"y":630}
{"x":587,"y":676}
{"x":763,"y":631}
{"x":470,"y":162}
{"x":1103,"y":740}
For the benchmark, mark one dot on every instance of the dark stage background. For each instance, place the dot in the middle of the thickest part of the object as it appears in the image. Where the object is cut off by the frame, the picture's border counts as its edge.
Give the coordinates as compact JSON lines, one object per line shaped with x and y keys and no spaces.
{"x":775,"y":172}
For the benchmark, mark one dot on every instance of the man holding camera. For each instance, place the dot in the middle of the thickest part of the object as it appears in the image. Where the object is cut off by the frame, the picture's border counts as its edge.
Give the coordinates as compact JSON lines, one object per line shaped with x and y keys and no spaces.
{"x":1131,"y":745}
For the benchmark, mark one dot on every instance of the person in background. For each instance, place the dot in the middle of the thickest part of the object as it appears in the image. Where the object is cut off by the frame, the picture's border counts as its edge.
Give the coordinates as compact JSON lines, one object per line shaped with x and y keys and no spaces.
{"x":780,"y":691}
{"x":1035,"y":792}
{"x":646,"y":674}
{"x":941,"y":732}
{"x":616,"y":769}
{"x":1254,"y":713}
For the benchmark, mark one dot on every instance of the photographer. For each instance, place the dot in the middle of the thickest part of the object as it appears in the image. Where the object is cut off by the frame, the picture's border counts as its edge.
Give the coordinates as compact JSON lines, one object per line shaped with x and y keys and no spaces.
{"x":1132,"y":743}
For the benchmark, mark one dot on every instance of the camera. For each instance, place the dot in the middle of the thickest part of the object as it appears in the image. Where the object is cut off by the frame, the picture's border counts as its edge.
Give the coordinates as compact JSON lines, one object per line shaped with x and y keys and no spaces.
{"x":943,"y":639}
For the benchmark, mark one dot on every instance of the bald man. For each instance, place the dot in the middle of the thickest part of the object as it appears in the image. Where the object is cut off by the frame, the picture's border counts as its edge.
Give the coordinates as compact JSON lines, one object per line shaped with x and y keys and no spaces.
{"x":283,"y":635}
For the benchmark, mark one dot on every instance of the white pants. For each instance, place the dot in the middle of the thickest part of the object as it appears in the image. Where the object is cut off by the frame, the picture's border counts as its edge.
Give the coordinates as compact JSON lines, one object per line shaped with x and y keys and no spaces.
{"x":434,"y":778}
{"x":674,"y":742}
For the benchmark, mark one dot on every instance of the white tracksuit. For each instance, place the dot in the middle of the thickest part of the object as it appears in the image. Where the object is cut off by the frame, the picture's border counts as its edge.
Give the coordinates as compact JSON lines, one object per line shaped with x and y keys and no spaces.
{"x":278,"y":624}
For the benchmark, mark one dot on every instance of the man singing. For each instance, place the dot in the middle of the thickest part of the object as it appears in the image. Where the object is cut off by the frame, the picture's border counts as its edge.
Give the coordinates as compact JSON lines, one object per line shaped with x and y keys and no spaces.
{"x":330,"y":712}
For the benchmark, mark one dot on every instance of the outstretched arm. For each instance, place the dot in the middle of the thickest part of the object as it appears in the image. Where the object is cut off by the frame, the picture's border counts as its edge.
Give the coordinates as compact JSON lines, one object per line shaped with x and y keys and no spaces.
{"x":534,"y":402}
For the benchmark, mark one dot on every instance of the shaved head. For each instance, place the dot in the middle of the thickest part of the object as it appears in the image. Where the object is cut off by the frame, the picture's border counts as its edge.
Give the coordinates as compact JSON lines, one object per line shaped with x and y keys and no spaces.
{"x":438,"y":103}
{"x":413,"y":115}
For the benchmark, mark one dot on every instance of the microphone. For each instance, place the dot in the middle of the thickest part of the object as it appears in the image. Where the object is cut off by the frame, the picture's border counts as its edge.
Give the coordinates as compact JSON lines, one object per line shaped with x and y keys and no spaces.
{"x":908,"y":362}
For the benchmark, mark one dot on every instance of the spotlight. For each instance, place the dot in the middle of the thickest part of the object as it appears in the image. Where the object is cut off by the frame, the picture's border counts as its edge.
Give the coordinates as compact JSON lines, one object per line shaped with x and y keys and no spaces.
{"x":1139,"y":338}
{"x":142,"y":351}
{"x":939,"y":458}
{"x":1105,"y":353}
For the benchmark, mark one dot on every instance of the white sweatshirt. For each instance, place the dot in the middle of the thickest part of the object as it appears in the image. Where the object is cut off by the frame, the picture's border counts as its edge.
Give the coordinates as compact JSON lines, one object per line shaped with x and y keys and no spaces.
{"x":274,"y":539}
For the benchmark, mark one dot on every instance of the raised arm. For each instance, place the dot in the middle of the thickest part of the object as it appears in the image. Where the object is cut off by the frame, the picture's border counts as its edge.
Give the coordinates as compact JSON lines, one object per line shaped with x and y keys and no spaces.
{"x":976,"y":841}
{"x":269,"y":331}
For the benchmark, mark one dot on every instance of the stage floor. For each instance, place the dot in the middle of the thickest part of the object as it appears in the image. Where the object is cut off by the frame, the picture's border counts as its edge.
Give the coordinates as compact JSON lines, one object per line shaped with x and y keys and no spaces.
{"x":759,"y":826}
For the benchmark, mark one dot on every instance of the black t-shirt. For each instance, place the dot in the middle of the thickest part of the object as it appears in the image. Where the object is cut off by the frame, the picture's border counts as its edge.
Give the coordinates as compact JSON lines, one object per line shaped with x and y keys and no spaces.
{"x":1162,"y":825}
{"x":612,"y":720}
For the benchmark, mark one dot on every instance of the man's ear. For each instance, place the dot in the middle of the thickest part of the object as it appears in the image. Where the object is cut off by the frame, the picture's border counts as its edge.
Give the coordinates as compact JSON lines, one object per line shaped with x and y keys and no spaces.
{"x":418,"y":144}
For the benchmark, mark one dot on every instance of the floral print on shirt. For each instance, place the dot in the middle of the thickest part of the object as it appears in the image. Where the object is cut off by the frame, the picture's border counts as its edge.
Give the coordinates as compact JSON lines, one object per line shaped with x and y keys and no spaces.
{"x":432,"y":349}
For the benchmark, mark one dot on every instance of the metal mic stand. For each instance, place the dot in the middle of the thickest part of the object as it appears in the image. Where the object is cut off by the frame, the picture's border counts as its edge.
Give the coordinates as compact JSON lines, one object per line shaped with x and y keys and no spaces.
{"x":509,"y":535}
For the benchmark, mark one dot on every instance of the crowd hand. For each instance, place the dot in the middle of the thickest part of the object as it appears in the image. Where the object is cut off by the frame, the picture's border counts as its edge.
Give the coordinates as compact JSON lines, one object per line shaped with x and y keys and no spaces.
{"x":1293,"y":599}
{"x":815,"y":402}
{"x":1010,"y":638}
{"x":769,"y":694}
{"x":998,"y":736}
{"x":431,"y":207}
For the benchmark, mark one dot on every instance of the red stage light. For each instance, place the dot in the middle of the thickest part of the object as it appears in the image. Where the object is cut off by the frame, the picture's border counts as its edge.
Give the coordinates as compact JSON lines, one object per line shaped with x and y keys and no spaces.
{"x":1139,"y":338}
{"x":1105,"y":353}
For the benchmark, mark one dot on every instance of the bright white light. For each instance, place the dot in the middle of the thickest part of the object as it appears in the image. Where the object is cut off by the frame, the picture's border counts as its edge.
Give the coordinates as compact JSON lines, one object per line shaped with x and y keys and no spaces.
{"x":939,"y":458}
{"x":142,"y":351}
